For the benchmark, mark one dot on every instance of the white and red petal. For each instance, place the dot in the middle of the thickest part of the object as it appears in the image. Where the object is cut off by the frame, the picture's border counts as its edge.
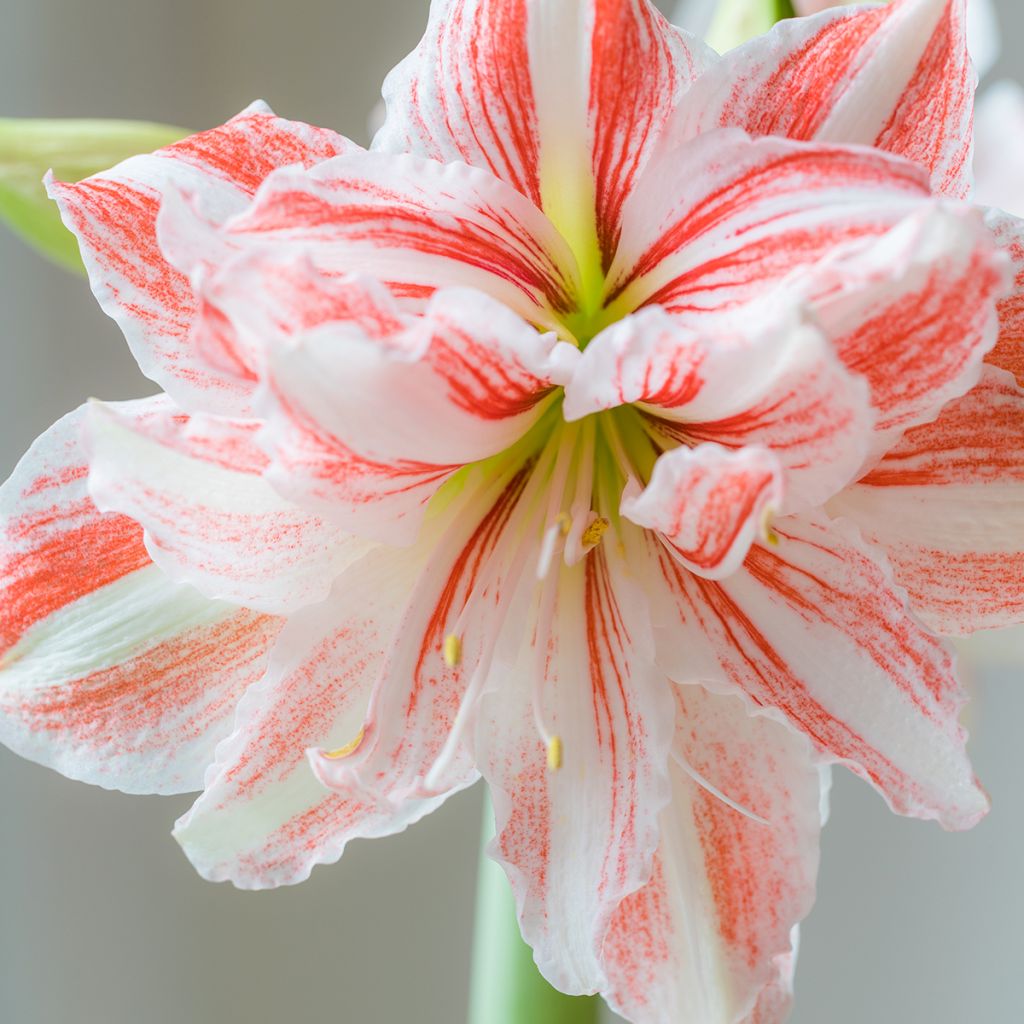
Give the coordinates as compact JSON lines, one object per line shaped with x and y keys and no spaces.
{"x":425,"y":699}
{"x":577,"y":840}
{"x":114,"y":216}
{"x":366,"y":429}
{"x":717,"y":219}
{"x":562,"y":99}
{"x":264,"y":820}
{"x":109,"y":672}
{"x":708,"y":938}
{"x":762,"y":376}
{"x":815,"y":631}
{"x":947,"y":506}
{"x":708,"y":504}
{"x":914,"y":313}
{"x":1008,"y":353}
{"x":416,"y":225}
{"x":897,"y":77}
{"x":195,"y":484}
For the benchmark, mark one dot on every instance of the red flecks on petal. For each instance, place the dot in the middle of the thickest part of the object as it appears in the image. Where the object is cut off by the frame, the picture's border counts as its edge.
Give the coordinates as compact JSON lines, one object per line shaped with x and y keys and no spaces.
{"x":137,"y":705}
{"x":53,"y":563}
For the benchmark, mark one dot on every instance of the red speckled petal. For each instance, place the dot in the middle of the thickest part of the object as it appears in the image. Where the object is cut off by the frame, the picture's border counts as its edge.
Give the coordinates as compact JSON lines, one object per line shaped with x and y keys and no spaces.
{"x":760,"y":377}
{"x":947,"y":506}
{"x":709,"y":937}
{"x":896,"y":76}
{"x":1009,"y":351}
{"x":708,"y":504}
{"x":196,"y":485}
{"x":574,"y":842}
{"x":109,"y":672}
{"x":914,"y":313}
{"x":264,"y":820}
{"x":416,"y":225}
{"x":114,"y":216}
{"x":364,"y":429}
{"x":717,"y":219}
{"x":562,"y":99}
{"x":815,"y":631}
{"x":424,"y":699}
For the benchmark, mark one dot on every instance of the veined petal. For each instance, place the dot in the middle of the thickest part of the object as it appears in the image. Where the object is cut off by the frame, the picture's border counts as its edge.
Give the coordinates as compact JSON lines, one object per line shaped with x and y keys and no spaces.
{"x":109,"y":672}
{"x":717,"y":218}
{"x":366,"y":429}
{"x":914,"y":313}
{"x":1009,"y":351}
{"x":709,"y":503}
{"x":578,"y":839}
{"x":195,"y":484}
{"x":896,"y":76}
{"x":708,"y":938}
{"x":264,"y":820}
{"x":562,"y":99}
{"x":417,"y":225}
{"x":114,"y":215}
{"x":815,"y":632}
{"x":761,"y":376}
{"x":947,"y":506}
{"x":425,"y":698}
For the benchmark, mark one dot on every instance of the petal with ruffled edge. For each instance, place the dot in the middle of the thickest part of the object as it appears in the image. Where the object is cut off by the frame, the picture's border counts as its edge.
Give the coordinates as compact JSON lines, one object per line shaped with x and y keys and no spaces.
{"x":264,"y":820}
{"x":711,"y":934}
{"x":914,"y":313}
{"x":897,"y":76}
{"x":947,"y":506}
{"x":760,"y":377}
{"x":195,"y":484}
{"x":562,"y":99}
{"x":708,"y":504}
{"x":814,"y":631}
{"x":577,"y":840}
{"x":114,"y":216}
{"x":365,"y":430}
{"x":717,"y":219}
{"x":415,"y":224}
{"x":1008,"y":353}
{"x":109,"y":672}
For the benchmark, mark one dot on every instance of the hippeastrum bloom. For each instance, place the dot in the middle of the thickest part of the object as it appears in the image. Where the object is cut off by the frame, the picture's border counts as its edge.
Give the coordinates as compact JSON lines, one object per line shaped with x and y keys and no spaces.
{"x":625,"y":427}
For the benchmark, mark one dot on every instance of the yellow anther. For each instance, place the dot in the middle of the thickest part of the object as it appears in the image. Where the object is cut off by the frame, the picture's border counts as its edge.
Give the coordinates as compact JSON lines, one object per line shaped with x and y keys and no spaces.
{"x":564,"y":521}
{"x":452,"y":650}
{"x":594,"y":532}
{"x":349,"y":748}
{"x":555,"y":753}
{"x":769,"y":534}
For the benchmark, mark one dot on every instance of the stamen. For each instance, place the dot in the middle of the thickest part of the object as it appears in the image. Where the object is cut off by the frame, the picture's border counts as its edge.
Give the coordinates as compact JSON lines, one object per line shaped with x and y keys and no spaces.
{"x":594,"y":532}
{"x":555,"y":753}
{"x":715,"y":791}
{"x":564,"y":523}
{"x":768,"y":534}
{"x":452,"y":650}
{"x":349,"y":748}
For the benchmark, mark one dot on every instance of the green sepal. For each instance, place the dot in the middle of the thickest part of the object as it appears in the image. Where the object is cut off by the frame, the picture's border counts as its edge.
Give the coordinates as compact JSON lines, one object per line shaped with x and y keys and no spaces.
{"x":72,"y":149}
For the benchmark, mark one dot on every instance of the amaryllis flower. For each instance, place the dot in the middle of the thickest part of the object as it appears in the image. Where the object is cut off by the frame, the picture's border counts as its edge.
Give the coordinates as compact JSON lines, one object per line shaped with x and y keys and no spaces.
{"x":625,"y":427}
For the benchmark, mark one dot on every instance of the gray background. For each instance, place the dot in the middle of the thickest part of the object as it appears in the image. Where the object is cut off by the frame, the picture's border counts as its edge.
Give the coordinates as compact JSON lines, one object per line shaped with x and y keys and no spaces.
{"x":102,"y":920}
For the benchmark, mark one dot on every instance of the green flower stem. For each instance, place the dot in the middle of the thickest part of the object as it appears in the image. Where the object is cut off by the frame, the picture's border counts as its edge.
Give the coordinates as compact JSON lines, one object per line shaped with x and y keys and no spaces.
{"x":506,"y":987}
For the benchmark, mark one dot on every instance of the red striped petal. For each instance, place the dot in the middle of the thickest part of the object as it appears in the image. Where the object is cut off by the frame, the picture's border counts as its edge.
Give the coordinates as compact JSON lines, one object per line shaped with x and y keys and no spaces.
{"x":114,"y":215}
{"x":109,"y":672}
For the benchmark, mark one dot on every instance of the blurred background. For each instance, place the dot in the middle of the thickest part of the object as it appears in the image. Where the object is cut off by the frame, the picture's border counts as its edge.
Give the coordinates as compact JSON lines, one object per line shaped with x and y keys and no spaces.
{"x":103,"y":921}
